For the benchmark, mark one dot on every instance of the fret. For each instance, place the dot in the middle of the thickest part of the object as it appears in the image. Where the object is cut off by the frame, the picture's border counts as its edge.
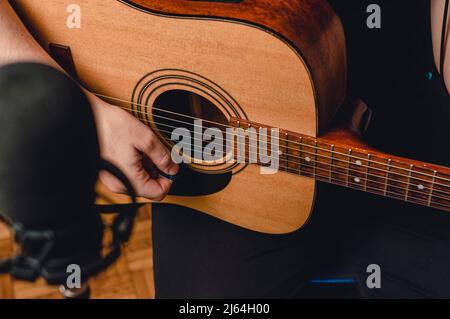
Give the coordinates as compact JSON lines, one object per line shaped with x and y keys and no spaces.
{"x":315,"y":158}
{"x":252,"y":145}
{"x":307,"y":158}
{"x":369,"y":157}
{"x":292,"y":154}
{"x":349,"y":152}
{"x":245,"y":143}
{"x":398,"y":180}
{"x":252,"y":154}
{"x":339,"y":170}
{"x":237,"y":147}
{"x":441,"y":189}
{"x":234,"y":141}
{"x":358,"y":170}
{"x":387,"y":177}
{"x":432,"y":188}
{"x":331,"y":163}
{"x":240,"y":145}
{"x":300,"y":155}
{"x":420,"y":184}
{"x":377,"y":175}
{"x":323,"y":162}
{"x":286,"y":152}
{"x":408,"y":182}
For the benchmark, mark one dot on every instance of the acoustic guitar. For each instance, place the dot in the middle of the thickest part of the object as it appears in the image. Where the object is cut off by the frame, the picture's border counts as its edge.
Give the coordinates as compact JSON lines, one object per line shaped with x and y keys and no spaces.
{"x":242,"y":64}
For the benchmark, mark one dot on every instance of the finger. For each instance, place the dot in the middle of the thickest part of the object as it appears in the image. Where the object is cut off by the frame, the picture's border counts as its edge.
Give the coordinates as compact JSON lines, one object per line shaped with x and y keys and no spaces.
{"x":144,"y":185}
{"x":111,"y":182}
{"x":150,"y":167}
{"x":152,"y":188}
{"x":159,"y":156}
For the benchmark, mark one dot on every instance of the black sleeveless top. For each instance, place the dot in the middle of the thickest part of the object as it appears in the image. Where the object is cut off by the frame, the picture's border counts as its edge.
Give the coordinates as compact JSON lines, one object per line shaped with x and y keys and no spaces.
{"x":393,"y":70}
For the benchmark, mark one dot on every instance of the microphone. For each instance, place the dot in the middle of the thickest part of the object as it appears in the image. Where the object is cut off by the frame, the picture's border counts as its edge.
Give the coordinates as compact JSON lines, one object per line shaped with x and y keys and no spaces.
{"x":49,"y":164}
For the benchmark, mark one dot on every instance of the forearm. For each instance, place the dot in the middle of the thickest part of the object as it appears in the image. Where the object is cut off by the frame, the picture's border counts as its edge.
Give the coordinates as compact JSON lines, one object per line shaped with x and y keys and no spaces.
{"x":18,"y":45}
{"x":437,"y":13}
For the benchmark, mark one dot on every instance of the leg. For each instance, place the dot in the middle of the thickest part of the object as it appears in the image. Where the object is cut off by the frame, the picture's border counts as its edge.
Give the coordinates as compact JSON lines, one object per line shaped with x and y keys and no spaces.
{"x":411,"y":245}
{"x":49,"y":156}
{"x":48,"y":139}
{"x":197,"y":256}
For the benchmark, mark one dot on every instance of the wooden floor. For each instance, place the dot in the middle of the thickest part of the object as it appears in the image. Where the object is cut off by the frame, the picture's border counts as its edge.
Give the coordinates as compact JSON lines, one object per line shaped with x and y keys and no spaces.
{"x":130,"y":277}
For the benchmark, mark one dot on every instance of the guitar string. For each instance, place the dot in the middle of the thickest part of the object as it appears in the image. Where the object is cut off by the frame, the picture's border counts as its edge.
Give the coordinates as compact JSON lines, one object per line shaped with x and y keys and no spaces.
{"x":326,"y":157}
{"x":412,"y":178}
{"x":362,"y":186}
{"x":292,"y":142}
{"x":331,"y":152}
{"x":284,"y":168}
{"x":228,"y":126}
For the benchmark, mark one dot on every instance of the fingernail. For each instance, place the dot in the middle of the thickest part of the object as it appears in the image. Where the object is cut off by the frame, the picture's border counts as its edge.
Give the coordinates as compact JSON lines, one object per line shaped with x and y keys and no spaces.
{"x":173,"y":170}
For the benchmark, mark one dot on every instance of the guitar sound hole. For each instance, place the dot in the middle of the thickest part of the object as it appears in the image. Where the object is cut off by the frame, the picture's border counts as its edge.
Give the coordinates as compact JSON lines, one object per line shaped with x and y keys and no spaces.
{"x":180,"y":109}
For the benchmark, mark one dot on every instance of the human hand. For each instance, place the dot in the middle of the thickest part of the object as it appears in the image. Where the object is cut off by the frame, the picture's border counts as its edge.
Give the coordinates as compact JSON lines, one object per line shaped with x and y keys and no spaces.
{"x":135,"y":150}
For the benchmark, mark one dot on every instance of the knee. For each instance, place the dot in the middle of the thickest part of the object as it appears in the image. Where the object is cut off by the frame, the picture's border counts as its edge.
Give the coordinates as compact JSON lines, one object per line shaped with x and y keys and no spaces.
{"x":41,"y":109}
{"x":37,"y":95}
{"x":23,"y":84}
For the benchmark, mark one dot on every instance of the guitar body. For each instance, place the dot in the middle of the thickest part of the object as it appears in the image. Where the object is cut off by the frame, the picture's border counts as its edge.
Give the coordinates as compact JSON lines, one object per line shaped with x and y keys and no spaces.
{"x":276,"y":62}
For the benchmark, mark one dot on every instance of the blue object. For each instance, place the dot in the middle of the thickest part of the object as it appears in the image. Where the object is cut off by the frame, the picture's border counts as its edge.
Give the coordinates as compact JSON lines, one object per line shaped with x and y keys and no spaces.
{"x":429,"y":75}
{"x":169,"y":177}
{"x":333,"y":281}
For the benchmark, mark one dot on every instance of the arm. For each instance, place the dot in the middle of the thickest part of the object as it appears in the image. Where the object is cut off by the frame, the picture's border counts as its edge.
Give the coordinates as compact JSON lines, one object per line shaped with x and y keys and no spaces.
{"x":124,"y":140}
{"x":437,"y":13}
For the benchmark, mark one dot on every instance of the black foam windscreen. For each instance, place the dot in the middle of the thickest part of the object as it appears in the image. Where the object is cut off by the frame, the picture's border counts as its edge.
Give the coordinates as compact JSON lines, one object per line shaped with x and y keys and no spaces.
{"x":49,"y":153}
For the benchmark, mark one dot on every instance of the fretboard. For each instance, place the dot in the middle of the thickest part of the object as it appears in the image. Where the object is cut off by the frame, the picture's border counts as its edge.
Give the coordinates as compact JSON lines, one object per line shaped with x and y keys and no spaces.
{"x":356,"y":168}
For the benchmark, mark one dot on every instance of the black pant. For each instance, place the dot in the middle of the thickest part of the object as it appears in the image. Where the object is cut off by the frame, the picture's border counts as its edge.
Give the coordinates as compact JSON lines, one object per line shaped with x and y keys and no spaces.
{"x":411,"y":244}
{"x":198,"y":256}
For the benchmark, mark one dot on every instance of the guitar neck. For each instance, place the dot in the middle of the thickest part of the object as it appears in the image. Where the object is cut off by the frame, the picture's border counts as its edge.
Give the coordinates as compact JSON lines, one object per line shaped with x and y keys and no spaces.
{"x":363,"y":169}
